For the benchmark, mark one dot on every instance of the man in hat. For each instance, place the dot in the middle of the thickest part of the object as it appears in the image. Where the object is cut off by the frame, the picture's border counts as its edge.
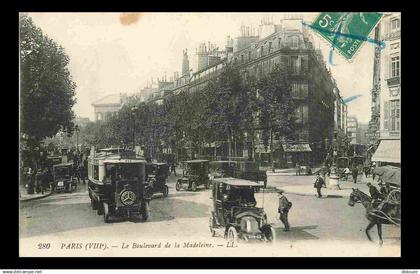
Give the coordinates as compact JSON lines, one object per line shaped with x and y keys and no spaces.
{"x":284,"y":207}
{"x":374,"y":193}
{"x":319,"y":183}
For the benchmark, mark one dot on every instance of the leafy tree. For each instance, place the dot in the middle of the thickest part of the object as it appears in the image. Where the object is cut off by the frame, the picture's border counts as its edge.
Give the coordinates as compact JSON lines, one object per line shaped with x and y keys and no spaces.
{"x":47,"y":91}
{"x":276,"y":106}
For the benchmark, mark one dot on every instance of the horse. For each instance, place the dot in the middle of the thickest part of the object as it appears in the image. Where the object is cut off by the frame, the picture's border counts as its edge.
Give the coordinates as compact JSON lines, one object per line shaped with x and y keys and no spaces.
{"x":374,"y":216}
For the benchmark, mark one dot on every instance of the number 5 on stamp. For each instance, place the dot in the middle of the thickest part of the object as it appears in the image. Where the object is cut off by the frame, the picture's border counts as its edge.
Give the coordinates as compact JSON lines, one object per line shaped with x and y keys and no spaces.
{"x":346,"y":31}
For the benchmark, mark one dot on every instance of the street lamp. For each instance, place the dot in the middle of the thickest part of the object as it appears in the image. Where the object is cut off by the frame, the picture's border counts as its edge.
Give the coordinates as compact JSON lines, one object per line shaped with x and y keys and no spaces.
{"x":133,"y":112}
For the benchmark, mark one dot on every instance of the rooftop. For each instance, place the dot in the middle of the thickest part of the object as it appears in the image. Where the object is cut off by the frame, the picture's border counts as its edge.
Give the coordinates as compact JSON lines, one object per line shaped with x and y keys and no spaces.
{"x":111,"y":99}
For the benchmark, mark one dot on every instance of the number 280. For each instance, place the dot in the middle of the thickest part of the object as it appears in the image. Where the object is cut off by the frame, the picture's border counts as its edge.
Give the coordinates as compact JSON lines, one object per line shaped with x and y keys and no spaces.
{"x":44,"y":245}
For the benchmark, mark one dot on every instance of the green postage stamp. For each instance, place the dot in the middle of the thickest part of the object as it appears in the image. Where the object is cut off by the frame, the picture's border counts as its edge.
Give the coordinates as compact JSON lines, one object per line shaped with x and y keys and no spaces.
{"x":346,"y":31}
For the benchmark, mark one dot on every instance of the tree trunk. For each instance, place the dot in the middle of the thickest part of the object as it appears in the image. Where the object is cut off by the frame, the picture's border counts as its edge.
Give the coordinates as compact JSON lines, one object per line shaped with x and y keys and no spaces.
{"x":271,"y":150}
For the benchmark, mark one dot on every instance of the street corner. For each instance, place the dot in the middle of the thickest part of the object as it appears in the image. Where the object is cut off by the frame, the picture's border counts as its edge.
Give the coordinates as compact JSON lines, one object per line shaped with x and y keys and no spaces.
{"x":31,"y":197}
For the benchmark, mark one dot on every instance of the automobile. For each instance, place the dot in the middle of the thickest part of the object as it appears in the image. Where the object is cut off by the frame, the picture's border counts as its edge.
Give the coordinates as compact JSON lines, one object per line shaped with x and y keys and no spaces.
{"x":220,"y":169}
{"x":63,"y":177}
{"x":195,"y":173}
{"x":235,"y":214}
{"x":117,"y":185}
{"x":250,"y":170}
{"x":156,"y":175}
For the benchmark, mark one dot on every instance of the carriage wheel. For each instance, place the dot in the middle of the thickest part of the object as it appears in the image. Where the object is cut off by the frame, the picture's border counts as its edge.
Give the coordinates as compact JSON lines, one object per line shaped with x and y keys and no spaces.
{"x":394,"y":197}
{"x":212,"y":231}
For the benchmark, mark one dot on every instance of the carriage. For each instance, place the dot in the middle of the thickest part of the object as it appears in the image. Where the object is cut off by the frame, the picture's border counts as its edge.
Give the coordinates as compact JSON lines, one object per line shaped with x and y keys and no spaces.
{"x":391,"y":177}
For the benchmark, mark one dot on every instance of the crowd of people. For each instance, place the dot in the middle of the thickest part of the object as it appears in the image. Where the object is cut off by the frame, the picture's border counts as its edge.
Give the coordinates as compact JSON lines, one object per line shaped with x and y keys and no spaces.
{"x":38,"y":176}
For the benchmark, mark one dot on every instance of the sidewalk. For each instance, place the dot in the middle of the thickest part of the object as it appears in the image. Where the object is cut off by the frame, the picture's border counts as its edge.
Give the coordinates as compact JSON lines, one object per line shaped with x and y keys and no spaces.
{"x":24,"y":196}
{"x":345,"y":191}
{"x":288,"y":172}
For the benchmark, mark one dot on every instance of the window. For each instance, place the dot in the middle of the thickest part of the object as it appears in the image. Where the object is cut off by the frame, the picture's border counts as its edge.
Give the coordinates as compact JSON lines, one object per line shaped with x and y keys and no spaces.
{"x":295,"y":42}
{"x":249,"y":55}
{"x":295,"y":64}
{"x":96,"y":172}
{"x":305,"y":113}
{"x":279,"y":42}
{"x":269,"y":47}
{"x":395,"y":66}
{"x":302,"y":114}
{"x":395,"y":24}
{"x":261,"y":51}
{"x":242,"y":58}
{"x":395,"y":115}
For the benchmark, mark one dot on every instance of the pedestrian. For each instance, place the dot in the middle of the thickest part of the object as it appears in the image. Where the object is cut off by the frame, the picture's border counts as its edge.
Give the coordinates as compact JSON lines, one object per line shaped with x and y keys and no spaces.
{"x":297,"y":169}
{"x":355,"y":173}
{"x":346,"y":173}
{"x":283,"y":210}
{"x":319,"y":183}
{"x":366,"y":169}
{"x":173,"y":168}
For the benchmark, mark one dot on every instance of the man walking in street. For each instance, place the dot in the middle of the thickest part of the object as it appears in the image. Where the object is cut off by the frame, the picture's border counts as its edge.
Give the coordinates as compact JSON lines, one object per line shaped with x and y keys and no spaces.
{"x":173,"y":168}
{"x":355,"y":173}
{"x":297,"y":169}
{"x":284,"y":207}
{"x":319,"y":183}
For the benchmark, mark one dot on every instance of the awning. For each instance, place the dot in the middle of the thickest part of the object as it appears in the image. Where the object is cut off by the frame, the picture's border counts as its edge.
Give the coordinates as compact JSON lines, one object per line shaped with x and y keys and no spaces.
{"x":296,"y":148}
{"x":388,"y":151}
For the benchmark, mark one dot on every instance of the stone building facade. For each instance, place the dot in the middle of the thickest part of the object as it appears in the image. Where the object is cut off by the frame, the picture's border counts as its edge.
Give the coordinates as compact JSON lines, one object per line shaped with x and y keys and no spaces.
{"x":320,"y":109}
{"x":387,"y":87}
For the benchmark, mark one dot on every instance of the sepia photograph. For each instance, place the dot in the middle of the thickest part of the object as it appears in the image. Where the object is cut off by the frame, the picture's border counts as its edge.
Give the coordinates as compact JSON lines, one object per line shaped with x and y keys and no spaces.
{"x":153,"y":134}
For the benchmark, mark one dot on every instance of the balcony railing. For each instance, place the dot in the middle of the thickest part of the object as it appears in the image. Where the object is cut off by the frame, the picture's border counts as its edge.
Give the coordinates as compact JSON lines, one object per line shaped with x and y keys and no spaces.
{"x":393,"y":81}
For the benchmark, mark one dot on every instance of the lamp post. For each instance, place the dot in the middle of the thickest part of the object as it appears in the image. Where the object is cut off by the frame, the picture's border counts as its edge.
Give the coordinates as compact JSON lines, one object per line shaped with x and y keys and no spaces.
{"x":133,"y":112}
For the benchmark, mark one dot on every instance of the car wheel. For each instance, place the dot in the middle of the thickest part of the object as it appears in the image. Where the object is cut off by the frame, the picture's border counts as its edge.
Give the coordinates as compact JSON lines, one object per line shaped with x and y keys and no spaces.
{"x":194,"y":186}
{"x":106,"y":212}
{"x":145,"y":211}
{"x":212,"y":231}
{"x":270,"y":235}
{"x":165,"y":191}
{"x":93,"y":204}
{"x":178,"y":186}
{"x":232,"y":235}
{"x":100,"y":209}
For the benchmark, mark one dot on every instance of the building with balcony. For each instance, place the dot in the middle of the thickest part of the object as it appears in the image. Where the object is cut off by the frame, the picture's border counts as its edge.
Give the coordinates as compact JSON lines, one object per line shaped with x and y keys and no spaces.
{"x":353,"y":130}
{"x":320,"y":109}
{"x":387,"y":86}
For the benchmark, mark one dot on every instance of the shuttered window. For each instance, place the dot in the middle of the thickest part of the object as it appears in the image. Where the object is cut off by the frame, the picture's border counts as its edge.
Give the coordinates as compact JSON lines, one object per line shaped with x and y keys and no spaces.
{"x":395,"y":115}
{"x":386,"y":115}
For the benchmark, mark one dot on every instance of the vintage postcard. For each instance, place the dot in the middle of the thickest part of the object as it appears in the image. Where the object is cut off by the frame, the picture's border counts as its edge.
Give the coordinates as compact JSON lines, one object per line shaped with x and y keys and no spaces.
{"x":210,"y":134}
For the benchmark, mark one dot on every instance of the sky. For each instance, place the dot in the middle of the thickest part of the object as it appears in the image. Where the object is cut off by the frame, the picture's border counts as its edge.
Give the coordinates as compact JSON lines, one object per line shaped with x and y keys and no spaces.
{"x":120,"y":53}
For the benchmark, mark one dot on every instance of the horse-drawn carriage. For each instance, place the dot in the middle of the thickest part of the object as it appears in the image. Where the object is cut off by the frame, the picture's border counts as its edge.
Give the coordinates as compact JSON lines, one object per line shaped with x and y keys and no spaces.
{"x":388,"y":209}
